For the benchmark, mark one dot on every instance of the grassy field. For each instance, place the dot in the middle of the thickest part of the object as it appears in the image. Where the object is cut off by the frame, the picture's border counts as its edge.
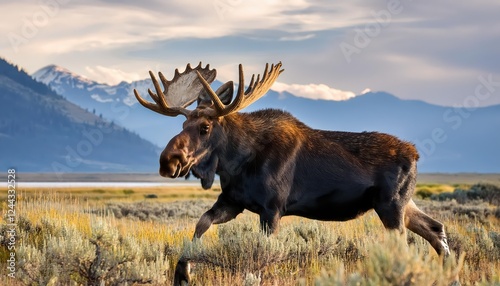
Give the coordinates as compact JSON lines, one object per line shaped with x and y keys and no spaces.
{"x":123,"y":236}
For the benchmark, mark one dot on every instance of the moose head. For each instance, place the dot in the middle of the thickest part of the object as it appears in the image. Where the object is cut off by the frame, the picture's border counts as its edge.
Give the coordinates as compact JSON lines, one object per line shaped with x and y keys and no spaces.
{"x":195,"y":149}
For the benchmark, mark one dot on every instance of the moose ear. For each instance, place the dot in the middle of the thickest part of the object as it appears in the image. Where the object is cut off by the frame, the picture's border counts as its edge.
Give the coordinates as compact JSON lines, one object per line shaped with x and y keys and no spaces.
{"x":225,"y":92}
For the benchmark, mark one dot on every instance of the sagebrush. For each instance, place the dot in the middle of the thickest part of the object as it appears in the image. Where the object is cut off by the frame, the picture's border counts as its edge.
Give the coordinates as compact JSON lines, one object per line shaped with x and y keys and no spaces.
{"x":67,"y":241}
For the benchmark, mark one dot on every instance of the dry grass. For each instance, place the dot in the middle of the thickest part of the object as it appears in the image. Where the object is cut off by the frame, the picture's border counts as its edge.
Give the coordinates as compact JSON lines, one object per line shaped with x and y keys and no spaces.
{"x":62,"y":233}
{"x":112,"y":194}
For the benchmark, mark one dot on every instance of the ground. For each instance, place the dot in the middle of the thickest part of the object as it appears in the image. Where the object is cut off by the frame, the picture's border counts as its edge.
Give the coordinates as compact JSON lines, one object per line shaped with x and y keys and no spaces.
{"x":88,"y":235}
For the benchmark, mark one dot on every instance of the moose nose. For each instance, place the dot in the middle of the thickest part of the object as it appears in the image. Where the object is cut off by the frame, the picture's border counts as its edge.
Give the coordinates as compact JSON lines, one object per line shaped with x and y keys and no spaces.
{"x":171,"y":165}
{"x":175,"y":157}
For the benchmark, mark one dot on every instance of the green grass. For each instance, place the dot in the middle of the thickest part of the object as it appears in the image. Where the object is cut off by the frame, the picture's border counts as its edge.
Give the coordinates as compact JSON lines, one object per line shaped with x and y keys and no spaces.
{"x":130,"y":239}
{"x":99,"y":195}
{"x":424,"y":191}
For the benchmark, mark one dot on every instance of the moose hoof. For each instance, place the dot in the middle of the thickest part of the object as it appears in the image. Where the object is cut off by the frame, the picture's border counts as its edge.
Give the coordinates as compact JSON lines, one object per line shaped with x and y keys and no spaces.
{"x":181,"y":276}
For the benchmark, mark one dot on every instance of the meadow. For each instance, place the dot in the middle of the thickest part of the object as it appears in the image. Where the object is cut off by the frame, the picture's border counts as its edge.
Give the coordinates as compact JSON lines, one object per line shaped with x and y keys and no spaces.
{"x":125,"y":236}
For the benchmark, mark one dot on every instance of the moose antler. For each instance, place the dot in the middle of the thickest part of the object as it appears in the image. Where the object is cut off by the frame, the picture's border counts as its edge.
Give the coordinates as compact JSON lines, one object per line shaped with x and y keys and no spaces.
{"x":178,"y":93}
{"x":243,"y":99}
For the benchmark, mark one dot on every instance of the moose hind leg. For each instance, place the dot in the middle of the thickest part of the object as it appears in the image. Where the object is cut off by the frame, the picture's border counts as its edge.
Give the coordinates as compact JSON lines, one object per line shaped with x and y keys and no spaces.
{"x":395,"y":190}
{"x":427,"y":227}
{"x":269,"y":221}
{"x":391,"y":215}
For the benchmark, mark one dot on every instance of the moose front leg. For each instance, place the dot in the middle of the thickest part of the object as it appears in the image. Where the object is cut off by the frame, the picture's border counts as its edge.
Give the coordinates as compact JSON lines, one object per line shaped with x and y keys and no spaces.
{"x":222,"y":211}
{"x":269,"y":221}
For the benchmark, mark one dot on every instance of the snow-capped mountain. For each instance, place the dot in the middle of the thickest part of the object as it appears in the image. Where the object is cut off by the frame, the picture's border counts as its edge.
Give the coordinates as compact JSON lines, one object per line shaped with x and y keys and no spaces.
{"x":449,"y":139}
{"x":115,"y":103}
{"x":84,"y":91}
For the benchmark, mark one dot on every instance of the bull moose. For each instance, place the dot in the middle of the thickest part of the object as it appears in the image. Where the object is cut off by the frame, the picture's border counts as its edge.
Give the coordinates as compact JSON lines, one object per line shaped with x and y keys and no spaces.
{"x":274,"y":165}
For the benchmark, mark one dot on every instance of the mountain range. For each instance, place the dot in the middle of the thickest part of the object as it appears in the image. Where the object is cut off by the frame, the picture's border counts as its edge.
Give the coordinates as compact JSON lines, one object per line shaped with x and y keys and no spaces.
{"x":41,"y":131}
{"x":115,"y":103}
{"x":449,"y":139}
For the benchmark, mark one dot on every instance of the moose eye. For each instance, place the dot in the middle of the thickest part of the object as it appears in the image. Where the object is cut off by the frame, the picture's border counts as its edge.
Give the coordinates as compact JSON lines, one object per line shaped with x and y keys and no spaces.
{"x":204,"y":129}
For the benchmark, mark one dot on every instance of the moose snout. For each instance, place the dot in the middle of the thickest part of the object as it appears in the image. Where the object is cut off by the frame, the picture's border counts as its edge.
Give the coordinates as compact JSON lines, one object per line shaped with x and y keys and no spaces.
{"x":175,"y":159}
{"x":172,"y":164}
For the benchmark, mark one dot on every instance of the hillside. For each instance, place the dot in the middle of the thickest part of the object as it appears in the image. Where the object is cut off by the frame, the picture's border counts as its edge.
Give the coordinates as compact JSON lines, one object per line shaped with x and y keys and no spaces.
{"x":449,"y":139}
{"x":40,"y":131}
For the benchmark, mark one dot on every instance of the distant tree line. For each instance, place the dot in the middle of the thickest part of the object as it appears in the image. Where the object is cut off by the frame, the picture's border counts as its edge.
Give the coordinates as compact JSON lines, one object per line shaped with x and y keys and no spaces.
{"x":484,"y":192}
{"x":17,"y":74}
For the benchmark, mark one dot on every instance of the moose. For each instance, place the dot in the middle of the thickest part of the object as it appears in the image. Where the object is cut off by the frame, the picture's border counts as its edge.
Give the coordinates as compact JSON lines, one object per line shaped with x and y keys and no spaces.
{"x":272,"y":164}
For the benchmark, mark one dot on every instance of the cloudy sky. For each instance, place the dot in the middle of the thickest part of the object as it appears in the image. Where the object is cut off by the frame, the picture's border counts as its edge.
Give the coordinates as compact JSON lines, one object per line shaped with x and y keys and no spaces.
{"x":436,"y":51}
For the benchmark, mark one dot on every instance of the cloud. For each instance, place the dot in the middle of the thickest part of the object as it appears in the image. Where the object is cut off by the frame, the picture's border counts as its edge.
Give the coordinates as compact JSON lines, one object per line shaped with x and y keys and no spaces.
{"x":432,"y":52}
{"x":106,"y":25}
{"x":366,"y":90}
{"x":297,"y":37}
{"x":111,"y":76}
{"x":314,"y":91}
